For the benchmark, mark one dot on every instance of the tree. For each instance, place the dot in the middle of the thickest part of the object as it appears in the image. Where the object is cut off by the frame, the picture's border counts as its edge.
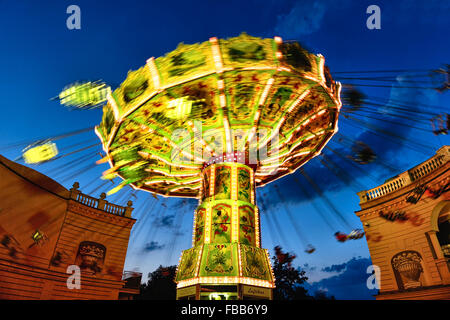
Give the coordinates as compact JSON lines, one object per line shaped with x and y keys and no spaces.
{"x":160,"y":285}
{"x":287,"y":278}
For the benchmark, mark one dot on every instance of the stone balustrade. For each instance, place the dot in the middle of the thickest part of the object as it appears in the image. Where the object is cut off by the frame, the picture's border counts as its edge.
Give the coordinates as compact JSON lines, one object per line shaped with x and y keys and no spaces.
{"x":441,"y":157}
{"x":100,"y":203}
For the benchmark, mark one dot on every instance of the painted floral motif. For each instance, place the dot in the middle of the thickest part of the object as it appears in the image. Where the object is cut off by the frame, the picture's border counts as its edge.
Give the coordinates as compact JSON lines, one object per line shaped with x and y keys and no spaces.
{"x":244,"y":185}
{"x":199,"y":225}
{"x":247,"y":225}
{"x":254,"y":263}
{"x":199,"y":234}
{"x":188,"y":265}
{"x":247,"y":235}
{"x":220,"y":259}
{"x":222,"y":182}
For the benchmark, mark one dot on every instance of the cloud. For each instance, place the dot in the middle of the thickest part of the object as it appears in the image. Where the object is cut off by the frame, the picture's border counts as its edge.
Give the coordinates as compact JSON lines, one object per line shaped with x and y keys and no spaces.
{"x":349,"y":284}
{"x":304,"y":18}
{"x":152,"y":246}
{"x":335,"y":268}
{"x":165,"y":221}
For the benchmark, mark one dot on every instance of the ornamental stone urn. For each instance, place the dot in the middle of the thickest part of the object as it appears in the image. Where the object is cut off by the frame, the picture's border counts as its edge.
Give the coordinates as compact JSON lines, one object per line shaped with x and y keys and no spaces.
{"x":408,"y":265}
{"x":92,"y":256}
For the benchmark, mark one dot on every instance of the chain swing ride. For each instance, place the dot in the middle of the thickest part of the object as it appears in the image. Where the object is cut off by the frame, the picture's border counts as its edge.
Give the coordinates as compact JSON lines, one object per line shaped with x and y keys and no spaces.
{"x":186,"y":124}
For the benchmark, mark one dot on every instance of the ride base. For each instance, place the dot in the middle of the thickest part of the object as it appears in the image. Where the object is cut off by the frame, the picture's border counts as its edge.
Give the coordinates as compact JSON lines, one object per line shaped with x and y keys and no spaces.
{"x":226,"y":261}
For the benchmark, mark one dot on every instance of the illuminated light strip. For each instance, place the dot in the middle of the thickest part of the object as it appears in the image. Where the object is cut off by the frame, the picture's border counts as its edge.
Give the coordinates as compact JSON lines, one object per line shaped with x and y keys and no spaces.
{"x":113,"y":104}
{"x":194,"y":227}
{"x":321,"y":72}
{"x":266,"y":91}
{"x":112,"y":134}
{"x":311,"y":78}
{"x":258,"y":68}
{"x":183,"y":187}
{"x":304,"y":140}
{"x":226,"y":126}
{"x":257,"y":114}
{"x":200,"y":191}
{"x":268,"y":160}
{"x":258,"y":243}
{"x":338,"y":100}
{"x":300,"y":99}
{"x":172,"y":174}
{"x":255,"y":121}
{"x":154,"y":72}
{"x":188,"y":182}
{"x":227,"y":280}
{"x":270,"y":171}
{"x":234,"y":209}
{"x":297,"y":155}
{"x":301,"y":125}
{"x":220,"y":84}
{"x":212,"y":180}
{"x":208,"y":225}
{"x":234,"y":187}
{"x":239,"y":259}
{"x":101,"y":138}
{"x":216,"y":54}
{"x":158,"y":181}
{"x":284,"y":69}
{"x":251,"y":135}
{"x":199,"y":261}
{"x":326,"y":141}
{"x":252,"y":184}
{"x":223,"y":100}
{"x":270,"y":266}
{"x":274,"y":132}
{"x":271,"y":166}
{"x":235,"y":223}
{"x":149,"y":155}
{"x":174,"y":182}
{"x":203,"y":143}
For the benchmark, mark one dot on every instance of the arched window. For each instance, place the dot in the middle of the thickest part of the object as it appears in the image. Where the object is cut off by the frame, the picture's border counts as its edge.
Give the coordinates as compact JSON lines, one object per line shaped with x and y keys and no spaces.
{"x":440,"y":221}
{"x":443,"y":234}
{"x":408,"y":269}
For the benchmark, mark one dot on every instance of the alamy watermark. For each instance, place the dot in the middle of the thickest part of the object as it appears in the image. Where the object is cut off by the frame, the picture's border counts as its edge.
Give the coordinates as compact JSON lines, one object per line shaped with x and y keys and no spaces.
{"x":373,"y":282}
{"x":74,"y":20}
{"x":374,"y":20}
{"x":74,"y":280}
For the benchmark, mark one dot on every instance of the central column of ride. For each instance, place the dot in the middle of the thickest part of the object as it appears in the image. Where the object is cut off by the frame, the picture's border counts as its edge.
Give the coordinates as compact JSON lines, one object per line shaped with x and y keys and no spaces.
{"x":226,"y":261}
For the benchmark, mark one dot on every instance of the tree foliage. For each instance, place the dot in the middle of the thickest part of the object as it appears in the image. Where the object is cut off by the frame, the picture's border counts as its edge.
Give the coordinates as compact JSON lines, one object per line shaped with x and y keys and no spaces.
{"x":160,"y":285}
{"x":287,"y":278}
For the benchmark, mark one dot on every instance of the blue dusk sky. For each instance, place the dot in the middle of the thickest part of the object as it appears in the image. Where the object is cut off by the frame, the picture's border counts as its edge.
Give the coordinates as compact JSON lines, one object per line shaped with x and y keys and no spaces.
{"x":39,"y":55}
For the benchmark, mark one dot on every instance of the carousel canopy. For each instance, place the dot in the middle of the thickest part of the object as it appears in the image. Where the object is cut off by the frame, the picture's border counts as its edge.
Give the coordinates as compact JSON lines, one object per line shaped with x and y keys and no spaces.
{"x":263,"y":102}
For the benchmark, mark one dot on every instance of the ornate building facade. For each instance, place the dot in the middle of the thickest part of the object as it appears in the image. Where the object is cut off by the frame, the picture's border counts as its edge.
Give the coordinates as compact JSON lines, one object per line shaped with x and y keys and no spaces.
{"x":406,"y":221}
{"x":60,"y":244}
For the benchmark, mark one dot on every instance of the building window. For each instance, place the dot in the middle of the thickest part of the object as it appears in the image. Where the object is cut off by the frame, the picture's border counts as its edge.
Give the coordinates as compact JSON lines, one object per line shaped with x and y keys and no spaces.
{"x":444,"y":237}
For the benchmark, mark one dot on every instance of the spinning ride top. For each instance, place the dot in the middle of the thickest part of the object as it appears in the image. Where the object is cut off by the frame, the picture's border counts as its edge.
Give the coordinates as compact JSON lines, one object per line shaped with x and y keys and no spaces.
{"x":213,"y":121}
